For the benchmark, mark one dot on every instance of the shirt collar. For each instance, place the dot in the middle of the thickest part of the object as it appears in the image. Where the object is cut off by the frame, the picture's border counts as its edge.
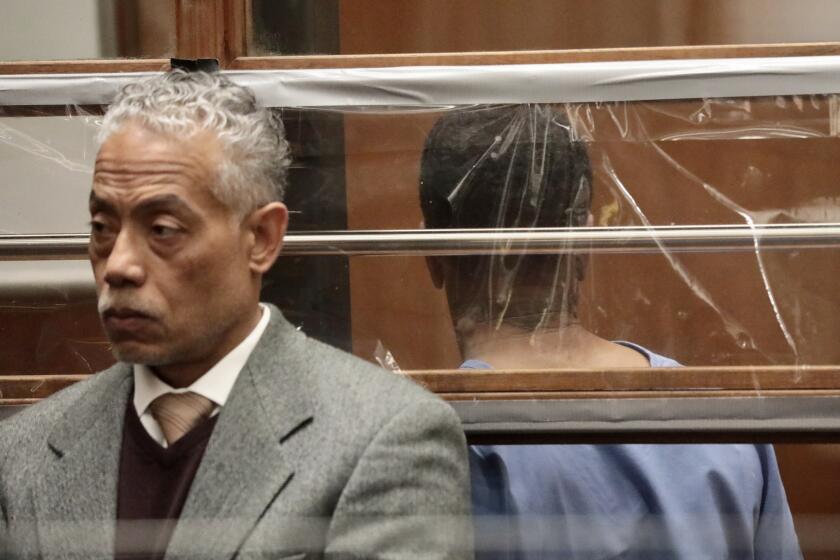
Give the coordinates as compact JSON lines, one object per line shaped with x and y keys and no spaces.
{"x":215,"y":385}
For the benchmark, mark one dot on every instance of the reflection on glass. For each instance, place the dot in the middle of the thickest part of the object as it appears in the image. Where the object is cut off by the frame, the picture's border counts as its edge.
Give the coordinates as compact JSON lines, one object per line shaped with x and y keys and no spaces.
{"x":419,"y":26}
{"x":49,"y":161}
{"x":87,"y":29}
{"x":693,"y":162}
{"x":697,"y":162}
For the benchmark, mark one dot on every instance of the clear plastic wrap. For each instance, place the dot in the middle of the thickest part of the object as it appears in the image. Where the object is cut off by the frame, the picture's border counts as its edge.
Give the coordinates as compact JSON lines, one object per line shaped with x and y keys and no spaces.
{"x":706,"y":162}
{"x":746,"y":163}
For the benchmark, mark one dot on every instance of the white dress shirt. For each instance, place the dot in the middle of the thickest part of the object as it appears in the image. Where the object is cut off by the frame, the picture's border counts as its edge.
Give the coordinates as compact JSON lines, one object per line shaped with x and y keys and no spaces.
{"x":215,"y":385}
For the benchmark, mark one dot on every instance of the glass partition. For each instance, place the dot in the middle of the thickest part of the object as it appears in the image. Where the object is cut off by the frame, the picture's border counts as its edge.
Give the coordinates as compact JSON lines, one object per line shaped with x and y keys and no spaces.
{"x":547,"y":268}
{"x":47,"y":167}
{"x":677,"y":175}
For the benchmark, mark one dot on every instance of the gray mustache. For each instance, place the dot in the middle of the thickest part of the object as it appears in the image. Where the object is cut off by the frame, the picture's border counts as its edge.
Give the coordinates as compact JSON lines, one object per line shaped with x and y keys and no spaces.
{"x":107,"y":301}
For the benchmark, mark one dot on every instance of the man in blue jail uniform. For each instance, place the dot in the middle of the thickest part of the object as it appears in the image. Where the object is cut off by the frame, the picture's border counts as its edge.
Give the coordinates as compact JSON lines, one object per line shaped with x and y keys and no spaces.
{"x":519,"y":167}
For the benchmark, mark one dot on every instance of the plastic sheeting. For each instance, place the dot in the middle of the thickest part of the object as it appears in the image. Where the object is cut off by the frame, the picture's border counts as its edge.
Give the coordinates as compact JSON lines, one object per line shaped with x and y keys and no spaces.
{"x":748,"y":163}
{"x":735,"y":161}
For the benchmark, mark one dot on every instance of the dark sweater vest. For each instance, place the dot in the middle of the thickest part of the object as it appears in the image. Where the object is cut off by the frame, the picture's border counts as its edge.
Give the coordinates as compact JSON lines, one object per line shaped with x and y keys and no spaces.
{"x":153,"y":486}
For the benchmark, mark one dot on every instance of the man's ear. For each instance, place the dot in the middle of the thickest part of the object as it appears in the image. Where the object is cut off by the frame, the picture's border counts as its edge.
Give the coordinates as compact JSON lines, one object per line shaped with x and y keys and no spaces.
{"x":267,"y":226}
{"x":436,"y":270}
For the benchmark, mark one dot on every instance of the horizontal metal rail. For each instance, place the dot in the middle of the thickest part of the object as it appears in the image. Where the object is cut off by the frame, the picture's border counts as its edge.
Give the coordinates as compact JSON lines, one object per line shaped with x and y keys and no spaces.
{"x":632,"y":239}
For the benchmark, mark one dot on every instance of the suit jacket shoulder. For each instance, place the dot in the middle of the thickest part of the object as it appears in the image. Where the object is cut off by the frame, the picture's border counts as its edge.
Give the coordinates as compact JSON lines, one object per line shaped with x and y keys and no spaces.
{"x":379,"y":457}
{"x":27,"y":431}
{"x":354,"y":386}
{"x":350,"y":399}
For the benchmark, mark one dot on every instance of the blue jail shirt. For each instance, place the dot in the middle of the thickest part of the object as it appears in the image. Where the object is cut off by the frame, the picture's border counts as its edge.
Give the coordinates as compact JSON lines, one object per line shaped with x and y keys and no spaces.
{"x":629,"y":501}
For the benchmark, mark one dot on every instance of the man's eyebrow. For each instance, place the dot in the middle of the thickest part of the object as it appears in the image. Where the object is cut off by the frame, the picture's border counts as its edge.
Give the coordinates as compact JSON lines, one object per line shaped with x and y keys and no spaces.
{"x":98,"y":204}
{"x":163,"y":202}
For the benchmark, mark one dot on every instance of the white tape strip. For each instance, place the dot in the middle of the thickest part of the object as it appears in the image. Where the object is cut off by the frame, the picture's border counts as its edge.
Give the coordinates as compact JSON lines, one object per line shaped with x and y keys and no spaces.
{"x":466,"y":85}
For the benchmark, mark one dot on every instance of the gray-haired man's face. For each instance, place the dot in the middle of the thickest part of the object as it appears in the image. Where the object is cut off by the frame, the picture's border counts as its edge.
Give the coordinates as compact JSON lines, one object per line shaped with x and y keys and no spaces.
{"x":170,"y":260}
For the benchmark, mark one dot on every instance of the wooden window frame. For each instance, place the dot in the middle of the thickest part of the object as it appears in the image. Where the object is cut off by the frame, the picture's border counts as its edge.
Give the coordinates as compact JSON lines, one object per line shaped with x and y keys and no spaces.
{"x":219,"y":29}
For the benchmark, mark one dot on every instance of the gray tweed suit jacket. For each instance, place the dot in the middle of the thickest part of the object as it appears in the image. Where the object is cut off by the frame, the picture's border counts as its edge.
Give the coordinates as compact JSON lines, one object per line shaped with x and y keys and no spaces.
{"x":316,"y":453}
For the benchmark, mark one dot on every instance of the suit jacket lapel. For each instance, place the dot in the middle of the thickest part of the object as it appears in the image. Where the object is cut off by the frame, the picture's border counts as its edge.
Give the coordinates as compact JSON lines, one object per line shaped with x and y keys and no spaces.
{"x":245,"y":467}
{"x":76,"y":494}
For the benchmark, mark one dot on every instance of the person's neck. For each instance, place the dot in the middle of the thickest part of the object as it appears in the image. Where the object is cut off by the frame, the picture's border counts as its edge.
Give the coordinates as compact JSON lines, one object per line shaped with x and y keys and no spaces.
{"x":507,"y":347}
{"x":185,"y":374}
{"x":558,"y":347}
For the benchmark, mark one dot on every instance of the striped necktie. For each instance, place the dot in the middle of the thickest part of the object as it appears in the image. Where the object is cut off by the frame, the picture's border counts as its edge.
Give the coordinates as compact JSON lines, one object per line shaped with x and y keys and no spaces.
{"x":178,"y":413}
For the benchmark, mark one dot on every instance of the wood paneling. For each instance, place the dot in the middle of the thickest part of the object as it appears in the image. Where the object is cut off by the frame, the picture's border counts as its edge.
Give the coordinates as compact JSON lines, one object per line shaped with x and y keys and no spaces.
{"x":479,"y":25}
{"x":698,"y":308}
{"x":533,"y":57}
{"x":237,"y":26}
{"x":393,"y":300}
{"x":405,"y":26}
{"x":441,"y":59}
{"x":144,"y":27}
{"x":200,"y":28}
{"x":811,"y":474}
{"x":60,"y":339}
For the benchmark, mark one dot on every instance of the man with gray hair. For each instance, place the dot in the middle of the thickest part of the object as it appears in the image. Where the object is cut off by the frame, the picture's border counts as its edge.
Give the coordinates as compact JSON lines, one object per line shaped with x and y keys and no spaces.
{"x":222,"y":431}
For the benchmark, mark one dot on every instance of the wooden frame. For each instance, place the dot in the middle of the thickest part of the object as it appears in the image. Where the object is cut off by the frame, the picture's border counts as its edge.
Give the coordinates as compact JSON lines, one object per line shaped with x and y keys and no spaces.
{"x":200,"y":29}
{"x":18,"y":390}
{"x":460,"y":385}
{"x":532,"y":57}
{"x":685,"y":382}
{"x":220,"y":29}
{"x":238,"y":32}
{"x":84,"y":66}
{"x":191,"y":49}
{"x":468,"y":389}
